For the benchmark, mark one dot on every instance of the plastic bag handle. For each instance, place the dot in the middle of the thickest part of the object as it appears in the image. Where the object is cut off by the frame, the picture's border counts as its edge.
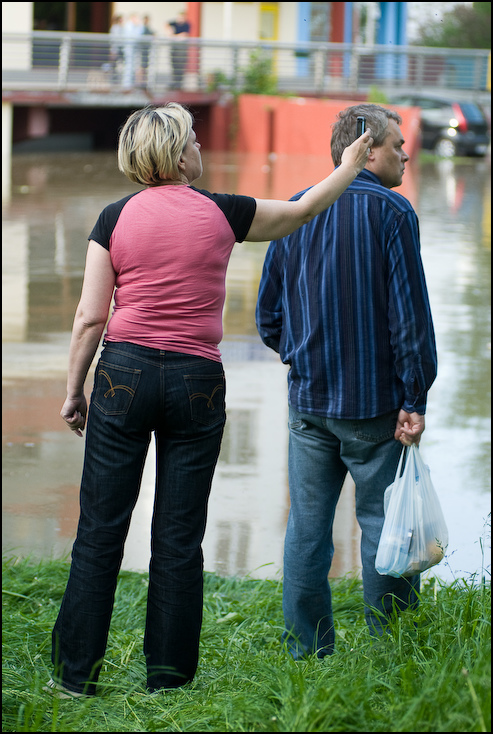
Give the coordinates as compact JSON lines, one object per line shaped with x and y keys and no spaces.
{"x":398,"y":473}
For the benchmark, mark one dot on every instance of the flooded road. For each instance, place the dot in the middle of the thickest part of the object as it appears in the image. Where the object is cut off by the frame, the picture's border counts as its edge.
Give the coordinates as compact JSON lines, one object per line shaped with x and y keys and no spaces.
{"x":54,"y":203}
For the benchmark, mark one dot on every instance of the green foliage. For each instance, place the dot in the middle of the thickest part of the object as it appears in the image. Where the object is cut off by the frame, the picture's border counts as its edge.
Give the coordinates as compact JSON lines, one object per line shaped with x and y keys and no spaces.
{"x":377,"y":95}
{"x":464,"y":26}
{"x":256,"y":78}
{"x":218,"y":80}
{"x":431,"y":673}
{"x":259,"y":77}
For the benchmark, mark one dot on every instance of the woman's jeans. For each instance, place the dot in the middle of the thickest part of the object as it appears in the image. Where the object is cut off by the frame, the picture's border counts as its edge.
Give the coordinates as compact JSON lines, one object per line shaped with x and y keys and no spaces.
{"x":138,"y":390}
{"x":321,"y":452}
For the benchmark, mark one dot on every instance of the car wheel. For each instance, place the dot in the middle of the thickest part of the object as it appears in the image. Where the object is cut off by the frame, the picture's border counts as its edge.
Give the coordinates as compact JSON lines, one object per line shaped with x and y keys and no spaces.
{"x":445,"y":148}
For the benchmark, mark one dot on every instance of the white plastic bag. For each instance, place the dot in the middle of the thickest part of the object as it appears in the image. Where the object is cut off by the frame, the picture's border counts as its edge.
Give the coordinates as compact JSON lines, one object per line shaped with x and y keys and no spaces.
{"x":414,"y":534}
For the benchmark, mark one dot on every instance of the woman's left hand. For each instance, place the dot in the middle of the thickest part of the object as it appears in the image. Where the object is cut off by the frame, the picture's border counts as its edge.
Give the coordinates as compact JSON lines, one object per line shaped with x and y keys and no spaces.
{"x":74,"y":412}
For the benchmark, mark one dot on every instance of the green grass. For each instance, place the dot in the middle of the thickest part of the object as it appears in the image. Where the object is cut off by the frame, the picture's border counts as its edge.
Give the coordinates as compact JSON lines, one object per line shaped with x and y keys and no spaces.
{"x":429,"y":677}
{"x":427,"y":156}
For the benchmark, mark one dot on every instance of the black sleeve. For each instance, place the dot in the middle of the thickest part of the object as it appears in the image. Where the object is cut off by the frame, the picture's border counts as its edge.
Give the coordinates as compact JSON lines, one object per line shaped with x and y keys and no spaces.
{"x":103,"y":229}
{"x":238,"y":210}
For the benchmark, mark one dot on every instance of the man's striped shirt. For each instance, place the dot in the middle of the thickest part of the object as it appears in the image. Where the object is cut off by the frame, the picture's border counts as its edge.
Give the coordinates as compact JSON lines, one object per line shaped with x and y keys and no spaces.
{"x":344,"y":301}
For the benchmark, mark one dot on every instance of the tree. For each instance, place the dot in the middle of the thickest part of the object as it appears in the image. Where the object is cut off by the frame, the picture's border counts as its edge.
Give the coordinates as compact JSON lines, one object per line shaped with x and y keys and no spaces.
{"x":464,"y":26}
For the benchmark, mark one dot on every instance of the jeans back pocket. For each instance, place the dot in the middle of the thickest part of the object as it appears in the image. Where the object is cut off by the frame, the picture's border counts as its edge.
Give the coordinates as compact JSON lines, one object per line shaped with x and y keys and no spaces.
{"x":206,"y":394}
{"x":376,"y":430}
{"x":114,"y":388}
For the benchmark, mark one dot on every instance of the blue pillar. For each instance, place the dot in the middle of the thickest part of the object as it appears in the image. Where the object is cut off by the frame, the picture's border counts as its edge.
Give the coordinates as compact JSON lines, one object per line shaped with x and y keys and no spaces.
{"x":402,"y":24}
{"x":348,"y":36}
{"x":303,"y":34}
{"x":402,"y":39}
{"x":392,"y":31}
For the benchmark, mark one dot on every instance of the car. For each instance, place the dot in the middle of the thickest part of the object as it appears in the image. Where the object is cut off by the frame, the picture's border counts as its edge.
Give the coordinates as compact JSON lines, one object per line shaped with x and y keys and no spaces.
{"x":449,"y":127}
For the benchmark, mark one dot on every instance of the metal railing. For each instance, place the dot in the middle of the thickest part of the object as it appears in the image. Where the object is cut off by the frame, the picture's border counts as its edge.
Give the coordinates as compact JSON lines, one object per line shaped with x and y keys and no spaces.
{"x":97,"y":63}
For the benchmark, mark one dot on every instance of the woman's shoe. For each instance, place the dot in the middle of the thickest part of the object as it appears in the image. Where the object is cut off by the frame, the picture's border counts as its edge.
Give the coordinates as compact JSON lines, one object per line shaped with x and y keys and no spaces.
{"x":61,"y":691}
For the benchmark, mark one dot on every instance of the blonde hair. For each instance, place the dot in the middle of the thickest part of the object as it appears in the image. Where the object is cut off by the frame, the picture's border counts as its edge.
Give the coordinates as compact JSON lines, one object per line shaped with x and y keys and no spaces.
{"x":151,"y":143}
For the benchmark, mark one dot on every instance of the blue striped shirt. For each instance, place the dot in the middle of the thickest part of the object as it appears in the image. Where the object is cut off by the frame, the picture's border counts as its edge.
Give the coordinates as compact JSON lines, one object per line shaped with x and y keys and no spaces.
{"x":344,"y":302}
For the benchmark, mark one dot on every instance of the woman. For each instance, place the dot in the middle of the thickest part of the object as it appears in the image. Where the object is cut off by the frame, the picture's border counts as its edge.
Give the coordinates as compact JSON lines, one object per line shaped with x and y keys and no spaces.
{"x":166,"y":250}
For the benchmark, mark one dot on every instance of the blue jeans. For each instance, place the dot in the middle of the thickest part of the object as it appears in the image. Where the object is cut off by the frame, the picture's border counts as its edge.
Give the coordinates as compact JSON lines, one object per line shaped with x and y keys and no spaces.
{"x":181,"y":398}
{"x":321,"y":452}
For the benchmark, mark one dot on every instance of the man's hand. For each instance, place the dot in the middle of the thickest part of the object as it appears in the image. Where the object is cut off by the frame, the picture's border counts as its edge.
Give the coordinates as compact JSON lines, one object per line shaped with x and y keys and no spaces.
{"x":409,"y":428}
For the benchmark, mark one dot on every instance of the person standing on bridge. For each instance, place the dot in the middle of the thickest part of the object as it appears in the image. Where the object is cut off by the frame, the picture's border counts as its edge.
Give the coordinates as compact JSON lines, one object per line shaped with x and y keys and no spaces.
{"x":178,"y":30}
{"x":132,"y":30}
{"x":116,"y":48}
{"x":165,"y":249}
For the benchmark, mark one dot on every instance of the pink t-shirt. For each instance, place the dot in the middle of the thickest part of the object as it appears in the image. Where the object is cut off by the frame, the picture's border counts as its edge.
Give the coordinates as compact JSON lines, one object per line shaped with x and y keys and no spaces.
{"x":170,"y":247}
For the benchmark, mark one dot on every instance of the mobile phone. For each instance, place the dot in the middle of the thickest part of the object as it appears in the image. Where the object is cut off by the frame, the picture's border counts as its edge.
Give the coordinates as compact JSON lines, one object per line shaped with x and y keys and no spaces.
{"x":360,"y":126}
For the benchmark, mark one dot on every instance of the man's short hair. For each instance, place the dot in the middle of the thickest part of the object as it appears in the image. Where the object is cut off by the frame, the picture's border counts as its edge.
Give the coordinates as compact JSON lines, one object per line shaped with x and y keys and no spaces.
{"x":344,"y":130}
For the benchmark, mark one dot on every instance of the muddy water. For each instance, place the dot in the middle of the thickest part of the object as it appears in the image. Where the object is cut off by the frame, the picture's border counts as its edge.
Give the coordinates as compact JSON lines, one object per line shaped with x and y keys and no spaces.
{"x":54,"y":202}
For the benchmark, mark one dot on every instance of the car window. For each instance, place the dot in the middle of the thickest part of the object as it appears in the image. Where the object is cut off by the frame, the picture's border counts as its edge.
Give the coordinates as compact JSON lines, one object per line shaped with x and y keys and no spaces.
{"x":433,"y":104}
{"x":471,"y":112}
{"x":404,"y":101}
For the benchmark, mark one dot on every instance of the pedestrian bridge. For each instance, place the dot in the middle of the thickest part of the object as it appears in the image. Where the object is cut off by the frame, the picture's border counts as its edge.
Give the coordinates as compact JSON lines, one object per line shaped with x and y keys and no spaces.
{"x":93,"y":69}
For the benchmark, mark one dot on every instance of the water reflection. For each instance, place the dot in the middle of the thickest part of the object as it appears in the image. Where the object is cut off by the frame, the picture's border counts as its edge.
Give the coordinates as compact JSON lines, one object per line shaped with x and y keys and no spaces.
{"x":55,"y":201}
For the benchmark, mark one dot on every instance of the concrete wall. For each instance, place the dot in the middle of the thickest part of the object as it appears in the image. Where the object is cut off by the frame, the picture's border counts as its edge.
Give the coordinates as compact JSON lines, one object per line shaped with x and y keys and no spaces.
{"x":17,"y":17}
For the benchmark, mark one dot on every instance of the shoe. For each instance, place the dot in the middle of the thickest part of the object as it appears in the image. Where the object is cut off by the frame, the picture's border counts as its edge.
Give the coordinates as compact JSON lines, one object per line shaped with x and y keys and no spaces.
{"x":62,"y":692}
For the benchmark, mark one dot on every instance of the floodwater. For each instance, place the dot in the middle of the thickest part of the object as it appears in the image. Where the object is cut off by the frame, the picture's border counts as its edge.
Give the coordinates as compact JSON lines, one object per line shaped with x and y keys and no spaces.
{"x":52,"y":206}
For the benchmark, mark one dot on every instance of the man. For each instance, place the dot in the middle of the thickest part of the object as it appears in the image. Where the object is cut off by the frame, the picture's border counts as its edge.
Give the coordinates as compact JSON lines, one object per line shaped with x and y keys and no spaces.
{"x":344,"y":302}
{"x":178,"y":29}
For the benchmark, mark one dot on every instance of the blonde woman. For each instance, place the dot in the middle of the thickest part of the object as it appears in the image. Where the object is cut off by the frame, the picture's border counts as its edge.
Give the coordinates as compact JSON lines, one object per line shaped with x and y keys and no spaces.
{"x":165,"y":249}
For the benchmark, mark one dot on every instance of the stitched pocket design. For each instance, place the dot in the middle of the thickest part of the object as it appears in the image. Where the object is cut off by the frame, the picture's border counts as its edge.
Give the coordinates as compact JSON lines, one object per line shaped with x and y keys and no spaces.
{"x":115,"y":388}
{"x":206,"y":396}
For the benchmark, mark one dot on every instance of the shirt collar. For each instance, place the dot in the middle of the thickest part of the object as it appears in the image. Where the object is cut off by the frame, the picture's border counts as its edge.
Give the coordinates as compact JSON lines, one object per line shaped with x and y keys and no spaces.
{"x":369,"y":176}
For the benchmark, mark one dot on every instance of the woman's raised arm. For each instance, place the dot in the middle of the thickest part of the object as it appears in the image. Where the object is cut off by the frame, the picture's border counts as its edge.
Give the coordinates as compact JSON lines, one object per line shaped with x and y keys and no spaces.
{"x":275,"y":218}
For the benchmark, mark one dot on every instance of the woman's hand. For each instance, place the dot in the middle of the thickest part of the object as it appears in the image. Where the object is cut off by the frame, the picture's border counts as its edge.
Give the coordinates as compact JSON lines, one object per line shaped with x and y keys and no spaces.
{"x":74,"y":412}
{"x":356,"y":154}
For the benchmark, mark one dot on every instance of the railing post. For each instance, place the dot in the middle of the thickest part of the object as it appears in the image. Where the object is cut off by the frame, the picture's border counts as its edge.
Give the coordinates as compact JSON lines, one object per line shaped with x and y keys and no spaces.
{"x":64,"y":60}
{"x":235,"y":66}
{"x":419,"y":82}
{"x":152,"y":50}
{"x":354,"y":66}
{"x":478,"y":73}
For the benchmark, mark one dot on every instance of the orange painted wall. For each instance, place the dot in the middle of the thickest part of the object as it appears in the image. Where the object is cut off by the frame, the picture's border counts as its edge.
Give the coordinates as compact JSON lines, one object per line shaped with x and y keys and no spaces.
{"x":301,"y":125}
{"x":297,"y":132}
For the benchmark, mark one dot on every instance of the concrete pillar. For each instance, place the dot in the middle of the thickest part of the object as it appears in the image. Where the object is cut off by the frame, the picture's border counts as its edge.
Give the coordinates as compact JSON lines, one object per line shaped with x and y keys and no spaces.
{"x":341,"y":31}
{"x":194,"y":18}
{"x":38,"y":122}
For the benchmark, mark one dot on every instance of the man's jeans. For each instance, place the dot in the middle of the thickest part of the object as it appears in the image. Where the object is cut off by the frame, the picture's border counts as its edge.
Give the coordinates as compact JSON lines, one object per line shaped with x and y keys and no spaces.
{"x":321,"y":452}
{"x":181,"y":398}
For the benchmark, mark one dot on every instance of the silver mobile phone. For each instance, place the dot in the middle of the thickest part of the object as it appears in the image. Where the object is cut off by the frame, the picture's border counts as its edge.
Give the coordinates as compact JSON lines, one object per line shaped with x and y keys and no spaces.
{"x":360,"y":126}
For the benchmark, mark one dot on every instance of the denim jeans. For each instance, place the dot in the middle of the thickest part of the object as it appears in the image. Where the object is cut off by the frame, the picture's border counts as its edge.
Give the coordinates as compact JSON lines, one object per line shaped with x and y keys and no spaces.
{"x":181,"y":398}
{"x":321,"y":452}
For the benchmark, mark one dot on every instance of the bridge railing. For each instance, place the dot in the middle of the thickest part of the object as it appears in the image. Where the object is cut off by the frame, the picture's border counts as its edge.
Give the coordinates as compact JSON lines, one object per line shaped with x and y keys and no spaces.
{"x":92,"y":62}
